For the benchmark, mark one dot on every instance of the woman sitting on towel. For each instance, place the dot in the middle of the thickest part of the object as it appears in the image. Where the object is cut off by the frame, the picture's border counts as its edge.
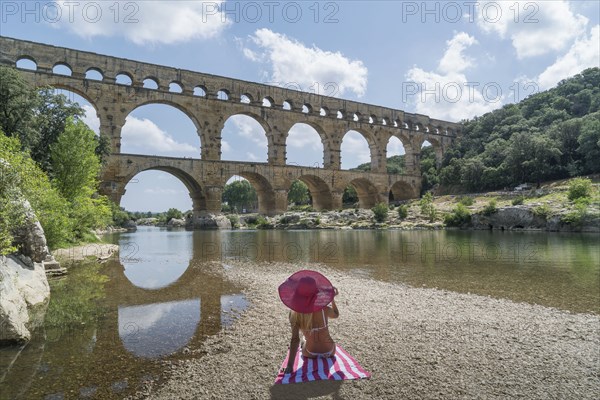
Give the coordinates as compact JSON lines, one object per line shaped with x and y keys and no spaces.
{"x":308,"y":295}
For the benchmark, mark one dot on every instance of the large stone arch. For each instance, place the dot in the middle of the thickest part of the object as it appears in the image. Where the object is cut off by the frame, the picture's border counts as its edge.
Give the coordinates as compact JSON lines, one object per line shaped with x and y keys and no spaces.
{"x":255,"y":116}
{"x":267,"y":197}
{"x":272,"y":141}
{"x":117,"y":133}
{"x":77,"y":91}
{"x":402,"y":190}
{"x":173,"y":104}
{"x":436,"y":143}
{"x":197,"y":194}
{"x":325,"y":139}
{"x":371,"y":142}
{"x":320,"y":192}
{"x":368,"y":194}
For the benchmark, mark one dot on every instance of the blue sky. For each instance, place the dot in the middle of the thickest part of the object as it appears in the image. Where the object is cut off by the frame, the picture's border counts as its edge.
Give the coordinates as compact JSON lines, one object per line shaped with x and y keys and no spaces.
{"x":449,"y":60}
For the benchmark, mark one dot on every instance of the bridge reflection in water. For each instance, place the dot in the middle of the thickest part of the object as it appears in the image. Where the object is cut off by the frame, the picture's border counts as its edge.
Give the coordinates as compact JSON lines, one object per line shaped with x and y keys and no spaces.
{"x":159,"y":302}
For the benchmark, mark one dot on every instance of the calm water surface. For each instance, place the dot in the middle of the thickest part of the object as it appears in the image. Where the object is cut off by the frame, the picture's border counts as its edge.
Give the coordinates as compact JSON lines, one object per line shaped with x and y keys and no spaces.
{"x":109,"y":328}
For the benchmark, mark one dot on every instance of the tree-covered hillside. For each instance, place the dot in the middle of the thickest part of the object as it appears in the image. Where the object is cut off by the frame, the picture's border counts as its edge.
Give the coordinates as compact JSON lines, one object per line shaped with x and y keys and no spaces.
{"x":549,"y":135}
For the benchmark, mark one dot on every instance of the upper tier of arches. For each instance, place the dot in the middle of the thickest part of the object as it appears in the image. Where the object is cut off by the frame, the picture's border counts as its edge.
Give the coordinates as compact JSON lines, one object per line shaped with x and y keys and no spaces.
{"x":91,"y":66}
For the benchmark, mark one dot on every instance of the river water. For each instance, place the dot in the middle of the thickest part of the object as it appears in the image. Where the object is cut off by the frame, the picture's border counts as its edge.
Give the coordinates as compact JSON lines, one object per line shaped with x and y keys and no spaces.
{"x":109,"y":328}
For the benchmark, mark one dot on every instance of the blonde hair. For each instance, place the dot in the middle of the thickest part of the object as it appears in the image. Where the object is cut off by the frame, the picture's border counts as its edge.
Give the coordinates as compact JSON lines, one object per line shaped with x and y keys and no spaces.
{"x":301,"y":320}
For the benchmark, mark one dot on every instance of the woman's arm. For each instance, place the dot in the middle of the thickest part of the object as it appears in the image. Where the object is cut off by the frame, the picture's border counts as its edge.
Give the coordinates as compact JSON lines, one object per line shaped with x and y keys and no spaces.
{"x":294,"y":342}
{"x":333,"y":312}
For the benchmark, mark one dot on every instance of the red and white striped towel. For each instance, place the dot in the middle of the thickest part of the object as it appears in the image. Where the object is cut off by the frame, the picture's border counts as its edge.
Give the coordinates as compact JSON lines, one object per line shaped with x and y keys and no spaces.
{"x":339,"y":367}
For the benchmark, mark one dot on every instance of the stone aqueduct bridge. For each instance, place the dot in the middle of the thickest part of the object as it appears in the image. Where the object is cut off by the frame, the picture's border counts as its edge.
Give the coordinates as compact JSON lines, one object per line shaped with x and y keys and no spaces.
{"x":209,"y":100}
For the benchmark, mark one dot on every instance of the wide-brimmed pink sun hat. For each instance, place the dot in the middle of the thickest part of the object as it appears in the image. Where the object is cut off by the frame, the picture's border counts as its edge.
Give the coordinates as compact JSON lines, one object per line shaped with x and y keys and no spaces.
{"x":306,"y":291}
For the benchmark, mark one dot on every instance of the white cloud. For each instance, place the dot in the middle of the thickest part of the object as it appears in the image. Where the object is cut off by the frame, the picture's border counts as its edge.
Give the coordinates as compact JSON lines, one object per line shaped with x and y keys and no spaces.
{"x":293,"y":64}
{"x":454,"y":59}
{"x":447,"y":92}
{"x":144,"y":22}
{"x":535,"y":28}
{"x":91,"y":118}
{"x":225,"y":146}
{"x":302,"y":136}
{"x":251,"y":156}
{"x":250,"y":129}
{"x":143,"y":135}
{"x":584,"y":53}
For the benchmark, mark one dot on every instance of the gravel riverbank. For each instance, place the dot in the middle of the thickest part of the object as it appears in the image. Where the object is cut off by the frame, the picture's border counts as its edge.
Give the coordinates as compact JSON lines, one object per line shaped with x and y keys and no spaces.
{"x":417,"y":343}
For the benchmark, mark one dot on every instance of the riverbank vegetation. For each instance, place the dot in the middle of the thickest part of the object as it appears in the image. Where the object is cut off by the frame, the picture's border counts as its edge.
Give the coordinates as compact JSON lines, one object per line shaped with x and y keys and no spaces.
{"x":50,"y":158}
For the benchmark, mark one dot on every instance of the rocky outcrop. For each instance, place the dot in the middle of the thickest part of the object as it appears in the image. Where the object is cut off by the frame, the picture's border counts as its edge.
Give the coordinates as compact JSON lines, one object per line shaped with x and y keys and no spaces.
{"x":24,"y":292}
{"x":147,"y":221}
{"x":176,"y":223}
{"x":31,"y":240}
{"x":515,"y":217}
{"x":208,"y":221}
{"x":130,"y":226}
{"x":524,"y":217}
{"x":24,"y":289}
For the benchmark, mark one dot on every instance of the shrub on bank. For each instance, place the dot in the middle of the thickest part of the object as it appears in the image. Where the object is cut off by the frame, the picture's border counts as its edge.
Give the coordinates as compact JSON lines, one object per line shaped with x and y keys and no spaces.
{"x":402,"y":211}
{"x":427,"y":208}
{"x":517,"y":201}
{"x":580,"y":188}
{"x":460,"y":215}
{"x":235,"y":220}
{"x":577,"y":215}
{"x":542,"y":211}
{"x":490,"y":208}
{"x":380,"y":212}
{"x":466,"y":201}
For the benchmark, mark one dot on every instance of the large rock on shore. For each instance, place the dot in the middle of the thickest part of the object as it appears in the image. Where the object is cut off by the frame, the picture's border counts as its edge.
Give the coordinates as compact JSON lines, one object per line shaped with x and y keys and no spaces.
{"x":24,"y":292}
{"x":524,"y":217}
{"x":24,"y":289}
{"x":208,"y":222}
{"x":176,"y":223}
{"x":31,"y":240}
{"x":516,"y":217}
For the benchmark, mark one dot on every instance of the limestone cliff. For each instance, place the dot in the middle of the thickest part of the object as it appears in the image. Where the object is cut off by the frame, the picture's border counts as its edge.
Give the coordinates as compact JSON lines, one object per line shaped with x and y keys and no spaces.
{"x":24,"y":289}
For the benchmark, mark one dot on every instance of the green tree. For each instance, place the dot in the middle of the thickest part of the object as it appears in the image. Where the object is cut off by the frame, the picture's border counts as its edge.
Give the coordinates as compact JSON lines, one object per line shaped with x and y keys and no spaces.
{"x":350,"y":196}
{"x":53,"y":115}
{"x":51,"y":209}
{"x":11,"y":212}
{"x":298,"y":193}
{"x":589,"y":143}
{"x":173,"y":213}
{"x":75,"y":169}
{"x":119,"y":215}
{"x":544,"y":158}
{"x":240,"y":194}
{"x":75,"y":164}
{"x":17,"y":107}
{"x":37,"y":118}
{"x":471,"y":173}
{"x":427,"y":207}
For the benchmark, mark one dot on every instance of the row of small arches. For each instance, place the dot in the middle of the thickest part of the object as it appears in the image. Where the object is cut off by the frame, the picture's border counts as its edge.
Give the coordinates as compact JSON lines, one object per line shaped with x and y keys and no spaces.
{"x":152,"y":83}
